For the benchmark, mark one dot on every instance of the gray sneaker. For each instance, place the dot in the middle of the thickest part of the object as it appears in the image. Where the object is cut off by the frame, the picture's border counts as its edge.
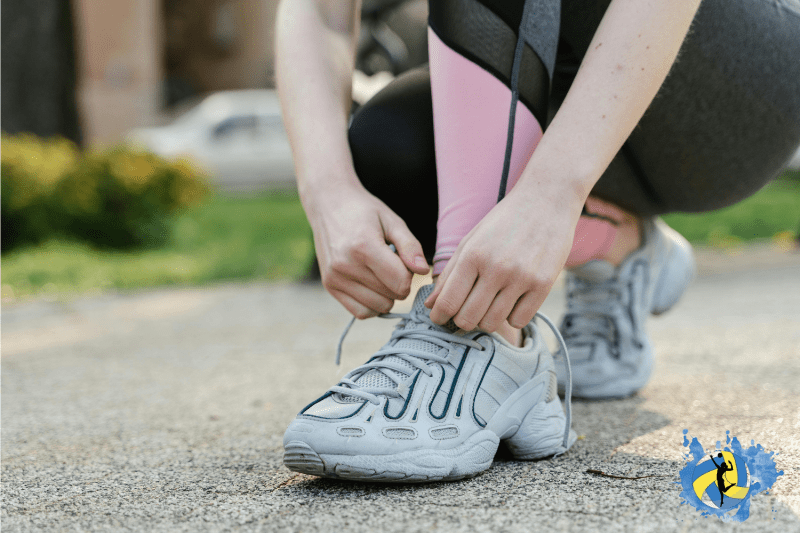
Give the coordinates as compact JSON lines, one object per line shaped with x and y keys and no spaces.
{"x":433,"y":404}
{"x":604,"y":326}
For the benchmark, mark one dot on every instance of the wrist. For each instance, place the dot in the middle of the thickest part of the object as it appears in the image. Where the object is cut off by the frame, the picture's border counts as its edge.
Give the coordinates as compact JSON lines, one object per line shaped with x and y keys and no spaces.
{"x":556,"y":171}
{"x":567,"y":188}
{"x":327,"y":190}
{"x":321,"y":185}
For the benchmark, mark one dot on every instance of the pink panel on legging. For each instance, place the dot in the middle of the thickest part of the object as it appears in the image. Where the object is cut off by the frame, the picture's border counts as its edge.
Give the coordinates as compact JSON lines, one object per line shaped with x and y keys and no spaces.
{"x":470,"y":123}
{"x":594,"y":237}
{"x":593,"y":240}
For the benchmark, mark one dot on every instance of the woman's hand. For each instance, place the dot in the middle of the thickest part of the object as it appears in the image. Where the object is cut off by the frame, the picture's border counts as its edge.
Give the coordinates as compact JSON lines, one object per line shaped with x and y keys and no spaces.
{"x":351,"y":231}
{"x":505,"y":267}
{"x":316,"y":42}
{"x":507,"y":264}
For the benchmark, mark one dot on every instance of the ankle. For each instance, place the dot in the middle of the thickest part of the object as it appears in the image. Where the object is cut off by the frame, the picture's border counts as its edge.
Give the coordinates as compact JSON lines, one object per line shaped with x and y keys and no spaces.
{"x":627,"y":240}
{"x":606,"y":232}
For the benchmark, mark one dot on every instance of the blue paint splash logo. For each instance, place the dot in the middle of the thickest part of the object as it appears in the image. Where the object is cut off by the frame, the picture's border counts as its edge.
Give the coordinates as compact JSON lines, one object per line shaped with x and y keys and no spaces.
{"x":720,"y":482}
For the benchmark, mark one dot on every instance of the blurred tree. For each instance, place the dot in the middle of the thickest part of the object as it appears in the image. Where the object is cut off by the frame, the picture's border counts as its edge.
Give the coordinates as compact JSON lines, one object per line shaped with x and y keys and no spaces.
{"x":38,"y":69}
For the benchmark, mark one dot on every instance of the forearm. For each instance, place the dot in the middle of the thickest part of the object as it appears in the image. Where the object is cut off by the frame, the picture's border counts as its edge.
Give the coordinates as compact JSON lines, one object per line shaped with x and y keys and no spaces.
{"x":314,"y":64}
{"x":629,"y":58}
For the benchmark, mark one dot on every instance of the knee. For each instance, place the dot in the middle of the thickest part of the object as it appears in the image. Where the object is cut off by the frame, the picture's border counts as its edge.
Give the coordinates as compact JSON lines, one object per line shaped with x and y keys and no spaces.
{"x":392,"y":134}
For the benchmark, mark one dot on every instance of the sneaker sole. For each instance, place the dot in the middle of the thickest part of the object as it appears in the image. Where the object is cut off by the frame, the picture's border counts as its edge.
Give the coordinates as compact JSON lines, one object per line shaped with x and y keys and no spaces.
{"x":416,"y":466}
{"x":531,"y":433}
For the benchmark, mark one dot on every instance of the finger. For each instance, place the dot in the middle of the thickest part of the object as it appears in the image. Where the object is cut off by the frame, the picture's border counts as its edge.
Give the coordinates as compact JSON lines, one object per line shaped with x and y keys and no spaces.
{"x":339,"y":274}
{"x":367,"y":297}
{"x":352,"y":306}
{"x":367,"y":277}
{"x":440,"y":281}
{"x":455,"y":290}
{"x":477,"y":303}
{"x":525,"y":308}
{"x":408,"y":247}
{"x":388,"y":269}
{"x":500,"y":309}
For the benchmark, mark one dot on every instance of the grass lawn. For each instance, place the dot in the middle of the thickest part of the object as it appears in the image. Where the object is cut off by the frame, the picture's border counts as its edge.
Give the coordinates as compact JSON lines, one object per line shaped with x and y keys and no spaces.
{"x":773,"y":210}
{"x":267,"y":237}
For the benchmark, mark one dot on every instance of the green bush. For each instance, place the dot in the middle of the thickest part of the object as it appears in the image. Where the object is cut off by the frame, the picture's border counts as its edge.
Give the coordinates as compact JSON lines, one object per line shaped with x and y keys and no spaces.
{"x":122,"y":198}
{"x":118,"y":198}
{"x":31,"y":168}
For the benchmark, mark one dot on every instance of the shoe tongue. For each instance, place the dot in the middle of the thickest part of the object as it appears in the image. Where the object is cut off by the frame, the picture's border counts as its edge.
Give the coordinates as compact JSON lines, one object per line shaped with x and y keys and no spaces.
{"x":595,"y":270}
{"x":419,"y":307}
{"x":419,"y":299}
{"x":379,"y":379}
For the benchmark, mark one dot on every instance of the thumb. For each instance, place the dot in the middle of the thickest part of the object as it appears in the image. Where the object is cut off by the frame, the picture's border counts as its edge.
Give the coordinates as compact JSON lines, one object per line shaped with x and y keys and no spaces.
{"x":408,"y":247}
{"x":441,"y":279}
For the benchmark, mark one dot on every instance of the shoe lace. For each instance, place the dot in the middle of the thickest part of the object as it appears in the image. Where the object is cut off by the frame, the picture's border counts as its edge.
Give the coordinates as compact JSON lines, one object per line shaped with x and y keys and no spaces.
{"x":386,"y":365}
{"x":592,"y":311}
{"x":421,"y":360}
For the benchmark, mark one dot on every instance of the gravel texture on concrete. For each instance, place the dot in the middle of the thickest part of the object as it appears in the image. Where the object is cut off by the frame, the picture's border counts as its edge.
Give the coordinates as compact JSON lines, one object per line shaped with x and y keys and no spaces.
{"x":164,"y":411}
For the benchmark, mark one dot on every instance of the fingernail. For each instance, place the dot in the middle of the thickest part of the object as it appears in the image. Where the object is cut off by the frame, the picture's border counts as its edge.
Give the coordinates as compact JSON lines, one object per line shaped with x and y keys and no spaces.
{"x":420,"y":262}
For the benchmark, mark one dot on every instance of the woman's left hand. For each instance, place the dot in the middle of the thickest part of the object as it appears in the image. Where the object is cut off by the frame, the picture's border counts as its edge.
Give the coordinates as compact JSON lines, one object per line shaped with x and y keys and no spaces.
{"x":505,"y":267}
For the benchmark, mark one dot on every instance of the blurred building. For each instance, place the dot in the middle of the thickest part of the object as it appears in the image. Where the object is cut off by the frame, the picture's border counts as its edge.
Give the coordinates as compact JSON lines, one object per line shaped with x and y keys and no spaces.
{"x":138,"y":59}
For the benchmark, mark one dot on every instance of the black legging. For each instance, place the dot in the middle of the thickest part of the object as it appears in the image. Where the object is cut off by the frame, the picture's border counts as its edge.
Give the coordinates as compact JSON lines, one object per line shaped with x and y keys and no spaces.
{"x":723,"y":123}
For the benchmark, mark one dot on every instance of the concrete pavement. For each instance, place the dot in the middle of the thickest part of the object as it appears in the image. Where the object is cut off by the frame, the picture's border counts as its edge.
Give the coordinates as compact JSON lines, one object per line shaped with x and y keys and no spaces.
{"x":164,"y":411}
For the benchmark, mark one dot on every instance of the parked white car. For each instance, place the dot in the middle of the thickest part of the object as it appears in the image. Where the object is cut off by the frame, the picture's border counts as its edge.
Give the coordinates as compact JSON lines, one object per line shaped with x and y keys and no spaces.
{"x":794,"y":162}
{"x":237,"y":136}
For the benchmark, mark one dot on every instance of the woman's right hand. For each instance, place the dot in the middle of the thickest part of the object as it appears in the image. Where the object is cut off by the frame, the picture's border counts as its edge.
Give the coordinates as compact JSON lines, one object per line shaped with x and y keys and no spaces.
{"x":352,"y":230}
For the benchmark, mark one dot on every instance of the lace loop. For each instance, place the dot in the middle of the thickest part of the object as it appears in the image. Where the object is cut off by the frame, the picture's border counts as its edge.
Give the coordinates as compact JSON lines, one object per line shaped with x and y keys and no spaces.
{"x":568,"y":391}
{"x":418,"y":359}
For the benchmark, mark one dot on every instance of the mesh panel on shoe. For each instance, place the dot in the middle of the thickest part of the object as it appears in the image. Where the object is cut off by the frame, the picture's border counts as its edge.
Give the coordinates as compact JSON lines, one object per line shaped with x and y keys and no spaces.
{"x":377,"y":379}
{"x":419,"y":305}
{"x":350,"y":432}
{"x":419,"y":299}
{"x":330,"y":408}
{"x":447,"y":432}
{"x":399,"y":433}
